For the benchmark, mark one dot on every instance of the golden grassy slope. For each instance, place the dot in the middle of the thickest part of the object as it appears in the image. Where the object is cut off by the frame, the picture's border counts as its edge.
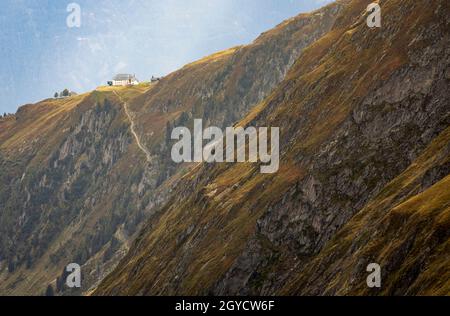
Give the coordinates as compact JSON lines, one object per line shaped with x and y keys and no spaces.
{"x":201,"y":233}
{"x":226,"y":81}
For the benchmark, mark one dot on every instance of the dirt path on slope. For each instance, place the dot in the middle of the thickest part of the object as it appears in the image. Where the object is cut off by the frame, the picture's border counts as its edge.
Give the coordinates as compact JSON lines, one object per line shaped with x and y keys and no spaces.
{"x":133,"y":130}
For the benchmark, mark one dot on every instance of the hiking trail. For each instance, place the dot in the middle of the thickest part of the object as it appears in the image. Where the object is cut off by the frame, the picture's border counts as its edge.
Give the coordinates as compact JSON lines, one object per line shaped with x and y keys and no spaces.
{"x":133,"y":130}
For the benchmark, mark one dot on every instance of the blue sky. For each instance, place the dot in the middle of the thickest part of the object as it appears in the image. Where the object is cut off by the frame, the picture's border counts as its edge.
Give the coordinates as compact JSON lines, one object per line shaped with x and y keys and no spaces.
{"x":40,"y":55}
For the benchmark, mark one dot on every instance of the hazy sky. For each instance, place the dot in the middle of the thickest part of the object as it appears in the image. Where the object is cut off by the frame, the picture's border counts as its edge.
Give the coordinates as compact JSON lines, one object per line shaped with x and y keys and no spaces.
{"x":40,"y":55}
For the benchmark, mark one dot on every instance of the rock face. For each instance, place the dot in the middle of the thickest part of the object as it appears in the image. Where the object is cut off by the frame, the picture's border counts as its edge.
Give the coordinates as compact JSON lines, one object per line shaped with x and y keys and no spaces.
{"x":406,"y":232}
{"x":364,"y":116}
{"x":75,"y":187}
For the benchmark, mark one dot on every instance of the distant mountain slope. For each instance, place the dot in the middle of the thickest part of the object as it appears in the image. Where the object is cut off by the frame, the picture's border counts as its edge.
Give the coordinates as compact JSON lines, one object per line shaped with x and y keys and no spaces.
{"x":356,"y":110}
{"x":75,"y":183}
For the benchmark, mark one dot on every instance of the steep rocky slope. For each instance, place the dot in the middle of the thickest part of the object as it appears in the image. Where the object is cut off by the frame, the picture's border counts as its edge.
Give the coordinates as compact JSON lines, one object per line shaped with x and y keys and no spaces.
{"x":63,"y":165}
{"x":405,"y":229}
{"x":364,"y":116}
{"x":80,"y":175}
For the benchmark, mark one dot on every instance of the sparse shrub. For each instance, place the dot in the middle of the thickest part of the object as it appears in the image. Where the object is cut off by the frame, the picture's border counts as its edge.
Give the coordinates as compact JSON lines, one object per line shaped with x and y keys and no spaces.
{"x":49,"y":291}
{"x":11,"y":267}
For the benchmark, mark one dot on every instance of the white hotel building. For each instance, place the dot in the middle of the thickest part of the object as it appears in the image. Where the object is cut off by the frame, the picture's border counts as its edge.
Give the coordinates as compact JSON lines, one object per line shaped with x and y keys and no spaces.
{"x":124,"y":80}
